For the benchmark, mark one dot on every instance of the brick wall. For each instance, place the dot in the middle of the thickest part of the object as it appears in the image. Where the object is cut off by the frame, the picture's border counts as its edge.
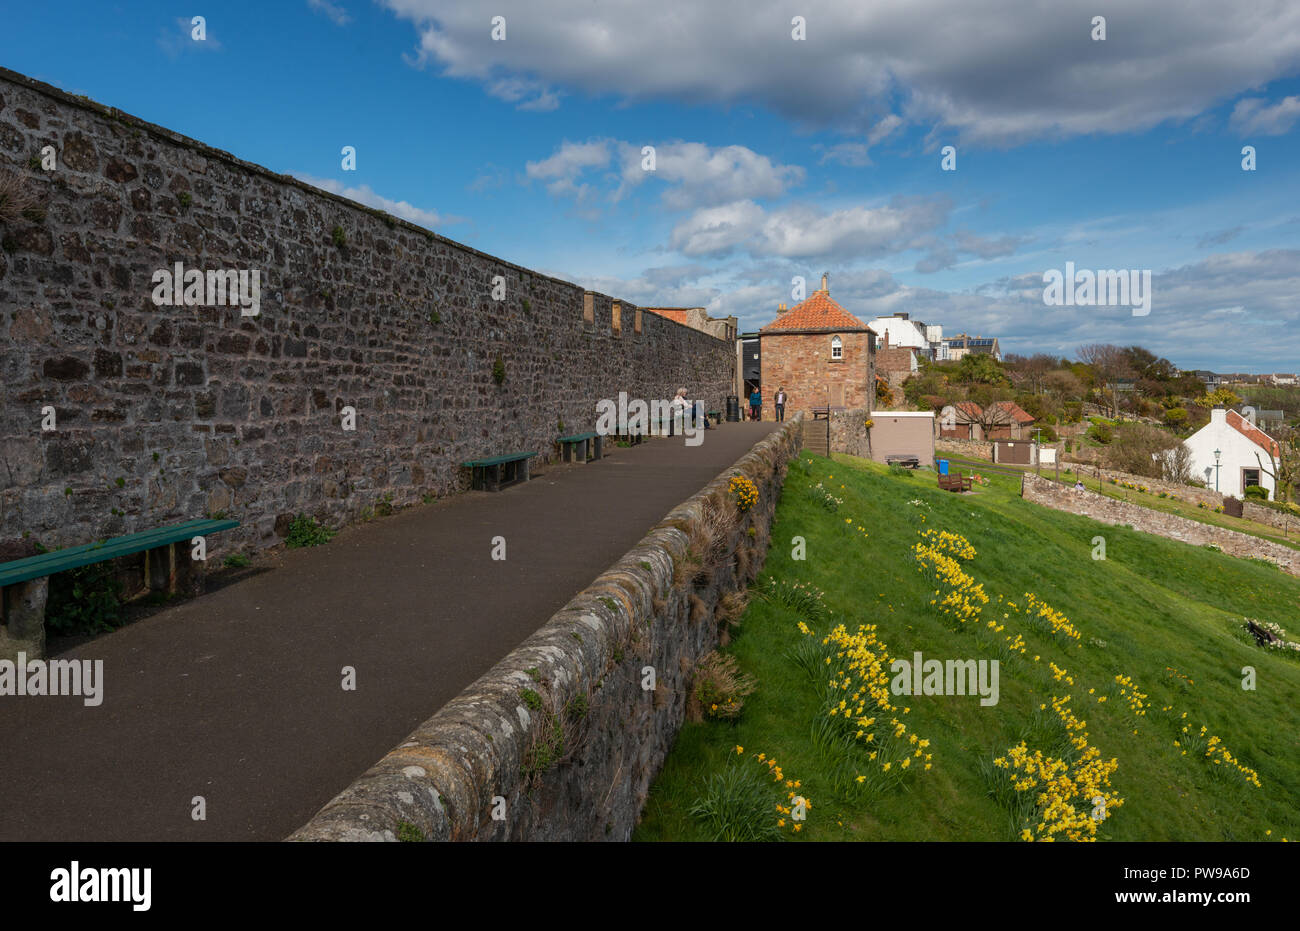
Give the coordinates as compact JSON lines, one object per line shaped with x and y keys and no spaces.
{"x":168,"y":413}
{"x":802,"y":363}
{"x":1113,"y":511}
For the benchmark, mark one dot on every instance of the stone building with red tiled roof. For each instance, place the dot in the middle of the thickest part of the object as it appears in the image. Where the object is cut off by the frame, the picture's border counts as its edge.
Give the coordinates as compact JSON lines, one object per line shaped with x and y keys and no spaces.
{"x":821,"y":354}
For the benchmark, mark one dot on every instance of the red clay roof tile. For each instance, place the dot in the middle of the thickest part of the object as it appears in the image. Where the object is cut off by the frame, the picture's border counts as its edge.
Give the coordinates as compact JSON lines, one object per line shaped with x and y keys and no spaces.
{"x":818,"y":312}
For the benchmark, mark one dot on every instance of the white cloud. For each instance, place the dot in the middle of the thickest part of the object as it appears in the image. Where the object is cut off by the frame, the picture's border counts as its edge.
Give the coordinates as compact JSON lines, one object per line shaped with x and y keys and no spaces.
{"x":337,"y":14}
{"x":694,"y":174}
{"x":179,"y":38}
{"x":572,"y":160}
{"x":364,"y":195}
{"x":700,"y":175}
{"x":1251,"y":116}
{"x":994,"y":71}
{"x":806,"y":232}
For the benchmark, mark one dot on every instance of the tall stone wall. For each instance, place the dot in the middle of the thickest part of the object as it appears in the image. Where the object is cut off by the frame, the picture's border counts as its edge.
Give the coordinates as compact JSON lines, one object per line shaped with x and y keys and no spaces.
{"x":849,"y":433}
{"x":170,"y":413}
{"x":1113,"y":511}
{"x":562,"y":738}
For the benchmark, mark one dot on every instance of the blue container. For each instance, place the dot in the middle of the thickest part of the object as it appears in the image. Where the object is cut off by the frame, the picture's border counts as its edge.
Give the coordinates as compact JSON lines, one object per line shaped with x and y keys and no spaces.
{"x":943,"y":466}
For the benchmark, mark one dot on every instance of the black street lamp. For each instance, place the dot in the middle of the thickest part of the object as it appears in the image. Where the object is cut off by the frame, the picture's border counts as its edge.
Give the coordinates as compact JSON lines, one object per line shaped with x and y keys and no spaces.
{"x":1216,"y":470}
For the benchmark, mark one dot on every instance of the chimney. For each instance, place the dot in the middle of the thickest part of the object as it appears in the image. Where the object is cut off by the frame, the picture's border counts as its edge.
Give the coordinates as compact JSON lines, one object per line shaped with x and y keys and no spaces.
{"x":825,"y":287}
{"x":1219,"y":415}
{"x":780,"y":308}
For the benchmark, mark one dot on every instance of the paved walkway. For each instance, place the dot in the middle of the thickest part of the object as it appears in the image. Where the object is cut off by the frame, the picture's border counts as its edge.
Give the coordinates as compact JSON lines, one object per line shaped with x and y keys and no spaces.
{"x":236,"y":696}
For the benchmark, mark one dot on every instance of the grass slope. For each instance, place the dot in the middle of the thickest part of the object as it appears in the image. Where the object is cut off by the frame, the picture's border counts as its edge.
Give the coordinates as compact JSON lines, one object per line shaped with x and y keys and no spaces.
{"x":1152,"y":602}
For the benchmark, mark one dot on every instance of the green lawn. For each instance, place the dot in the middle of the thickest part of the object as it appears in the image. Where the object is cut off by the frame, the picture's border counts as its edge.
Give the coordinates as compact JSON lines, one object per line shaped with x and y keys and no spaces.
{"x":1150,"y":604}
{"x":1182,"y":508}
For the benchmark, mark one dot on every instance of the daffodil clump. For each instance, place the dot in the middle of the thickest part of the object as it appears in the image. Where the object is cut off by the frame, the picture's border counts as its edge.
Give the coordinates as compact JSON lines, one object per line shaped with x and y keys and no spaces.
{"x":859,"y":703}
{"x":1128,"y":691}
{"x":1071,"y":795}
{"x":1049,"y":617}
{"x":791,"y":809}
{"x":743,"y":491}
{"x":822,"y":496}
{"x":1209,"y":747}
{"x":938,"y":553}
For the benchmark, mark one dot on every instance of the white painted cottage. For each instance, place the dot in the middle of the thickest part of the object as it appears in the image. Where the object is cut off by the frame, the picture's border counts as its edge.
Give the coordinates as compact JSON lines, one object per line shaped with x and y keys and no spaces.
{"x":1242,"y":448}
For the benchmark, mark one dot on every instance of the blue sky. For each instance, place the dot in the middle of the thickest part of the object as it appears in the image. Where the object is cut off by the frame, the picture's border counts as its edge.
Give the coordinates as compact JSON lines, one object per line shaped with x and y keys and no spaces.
{"x":775,"y":157}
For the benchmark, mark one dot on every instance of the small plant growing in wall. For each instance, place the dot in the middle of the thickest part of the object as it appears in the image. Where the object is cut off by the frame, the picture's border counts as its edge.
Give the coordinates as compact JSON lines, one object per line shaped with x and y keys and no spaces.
{"x":743,"y":491}
{"x":499,"y":370}
{"x":338,"y":237}
{"x":185,"y":200}
{"x":435,"y":318}
{"x":305,"y":531}
{"x":528,"y":306}
{"x":16,"y":198}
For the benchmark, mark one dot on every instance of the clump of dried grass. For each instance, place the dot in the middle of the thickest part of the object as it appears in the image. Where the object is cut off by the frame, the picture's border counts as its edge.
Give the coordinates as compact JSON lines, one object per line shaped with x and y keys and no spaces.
{"x":16,"y":197}
{"x":720,"y":689}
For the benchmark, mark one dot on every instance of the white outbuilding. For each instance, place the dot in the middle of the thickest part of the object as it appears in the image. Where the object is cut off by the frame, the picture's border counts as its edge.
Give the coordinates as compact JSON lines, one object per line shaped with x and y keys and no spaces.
{"x":1231,"y":453}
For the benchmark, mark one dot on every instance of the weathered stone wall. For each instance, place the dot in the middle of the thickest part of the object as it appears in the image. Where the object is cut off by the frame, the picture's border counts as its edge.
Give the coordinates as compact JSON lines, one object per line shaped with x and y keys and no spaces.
{"x":1113,"y":511}
{"x":169,"y":413}
{"x":662,"y":606}
{"x":1192,"y":493}
{"x":849,"y":432}
{"x":977,"y":449}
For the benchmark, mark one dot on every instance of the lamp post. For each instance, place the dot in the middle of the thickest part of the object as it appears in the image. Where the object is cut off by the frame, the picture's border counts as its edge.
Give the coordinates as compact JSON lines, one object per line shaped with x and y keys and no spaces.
{"x":1216,"y":469}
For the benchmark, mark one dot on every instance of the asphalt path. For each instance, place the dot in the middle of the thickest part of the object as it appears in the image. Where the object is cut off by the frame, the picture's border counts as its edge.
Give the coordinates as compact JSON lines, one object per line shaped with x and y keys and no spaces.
{"x":237,"y":696}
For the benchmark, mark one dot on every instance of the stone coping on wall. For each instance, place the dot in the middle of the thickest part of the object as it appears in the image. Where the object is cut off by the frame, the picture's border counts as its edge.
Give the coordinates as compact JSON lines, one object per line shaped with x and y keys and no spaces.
{"x":1109,"y":510}
{"x":453,"y":771}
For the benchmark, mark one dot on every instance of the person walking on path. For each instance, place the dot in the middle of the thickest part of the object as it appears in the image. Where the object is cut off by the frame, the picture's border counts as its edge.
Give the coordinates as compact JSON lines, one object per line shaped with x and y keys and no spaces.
{"x":755,"y":405}
{"x":780,"y":404}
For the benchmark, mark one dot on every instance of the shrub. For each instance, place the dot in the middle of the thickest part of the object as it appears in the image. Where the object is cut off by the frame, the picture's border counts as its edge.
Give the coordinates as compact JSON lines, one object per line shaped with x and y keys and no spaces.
{"x":85,"y":600}
{"x":305,"y":531}
{"x":236,"y":561}
{"x":720,"y":688}
{"x":1257,"y":492}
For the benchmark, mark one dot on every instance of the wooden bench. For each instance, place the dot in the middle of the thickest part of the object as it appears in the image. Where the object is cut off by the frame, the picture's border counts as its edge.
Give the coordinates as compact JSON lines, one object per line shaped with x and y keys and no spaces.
{"x":487,"y":473}
{"x":584,"y":442}
{"x":821,"y":413}
{"x":955,"y":482}
{"x":168,"y":567}
{"x":911,"y":462}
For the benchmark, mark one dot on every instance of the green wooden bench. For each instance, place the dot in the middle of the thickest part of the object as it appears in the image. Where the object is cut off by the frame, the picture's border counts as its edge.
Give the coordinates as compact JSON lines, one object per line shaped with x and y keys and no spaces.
{"x":581,"y":443}
{"x":168,"y":567}
{"x":487,"y":473}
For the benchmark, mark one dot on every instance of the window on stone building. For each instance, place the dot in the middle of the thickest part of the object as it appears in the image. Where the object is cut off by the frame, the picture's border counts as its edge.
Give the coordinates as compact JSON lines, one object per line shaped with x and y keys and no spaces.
{"x":837,"y":349}
{"x":616,"y":319}
{"x":636,"y":323}
{"x":588,"y":308}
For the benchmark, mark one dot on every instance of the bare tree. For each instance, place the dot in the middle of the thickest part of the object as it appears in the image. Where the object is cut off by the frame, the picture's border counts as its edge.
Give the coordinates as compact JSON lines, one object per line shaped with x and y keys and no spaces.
{"x":1111,"y":365}
{"x":1284,"y":463}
